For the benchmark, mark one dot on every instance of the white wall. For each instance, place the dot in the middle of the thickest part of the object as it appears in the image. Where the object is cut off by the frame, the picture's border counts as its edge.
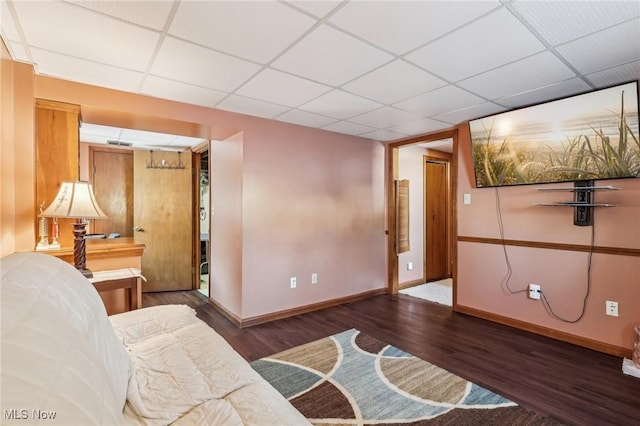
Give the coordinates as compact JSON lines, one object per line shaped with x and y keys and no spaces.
{"x":411,"y":167}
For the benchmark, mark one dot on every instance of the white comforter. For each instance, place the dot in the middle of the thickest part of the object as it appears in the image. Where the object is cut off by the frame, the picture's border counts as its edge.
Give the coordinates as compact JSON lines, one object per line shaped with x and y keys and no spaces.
{"x":185,"y":373}
{"x":64,"y":359}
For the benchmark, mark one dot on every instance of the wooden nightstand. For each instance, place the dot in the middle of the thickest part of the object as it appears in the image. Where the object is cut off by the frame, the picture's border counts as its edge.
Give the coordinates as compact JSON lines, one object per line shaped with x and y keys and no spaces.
{"x":124,"y":292}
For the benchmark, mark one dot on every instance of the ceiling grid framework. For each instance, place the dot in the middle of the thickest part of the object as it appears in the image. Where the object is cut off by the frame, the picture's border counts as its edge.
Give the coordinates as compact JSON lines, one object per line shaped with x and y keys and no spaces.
{"x":382,"y":70}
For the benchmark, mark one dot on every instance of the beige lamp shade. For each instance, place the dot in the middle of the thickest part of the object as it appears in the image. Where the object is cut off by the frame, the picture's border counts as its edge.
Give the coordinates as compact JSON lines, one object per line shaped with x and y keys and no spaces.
{"x":75,"y":200}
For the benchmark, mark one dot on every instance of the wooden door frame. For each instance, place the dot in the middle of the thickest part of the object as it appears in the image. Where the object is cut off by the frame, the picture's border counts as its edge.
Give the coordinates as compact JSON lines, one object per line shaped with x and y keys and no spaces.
{"x":392,"y":175}
{"x":428,"y":158}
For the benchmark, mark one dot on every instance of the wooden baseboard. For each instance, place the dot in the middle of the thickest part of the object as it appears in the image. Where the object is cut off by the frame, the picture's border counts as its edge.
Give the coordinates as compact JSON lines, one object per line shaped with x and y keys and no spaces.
{"x":547,"y":332}
{"x":261,"y":319}
{"x":228,"y":315}
{"x":408,"y":284}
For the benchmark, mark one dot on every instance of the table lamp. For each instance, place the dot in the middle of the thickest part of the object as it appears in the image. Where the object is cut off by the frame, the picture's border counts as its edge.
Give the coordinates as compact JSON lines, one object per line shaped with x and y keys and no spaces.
{"x":76,"y":200}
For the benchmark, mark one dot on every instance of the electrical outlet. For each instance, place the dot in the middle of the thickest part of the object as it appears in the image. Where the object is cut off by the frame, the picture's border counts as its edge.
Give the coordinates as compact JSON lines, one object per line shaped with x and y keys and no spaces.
{"x":409,"y":266}
{"x":314,"y":278}
{"x":534,"y":291}
{"x":612,"y":308}
{"x":293,"y":282}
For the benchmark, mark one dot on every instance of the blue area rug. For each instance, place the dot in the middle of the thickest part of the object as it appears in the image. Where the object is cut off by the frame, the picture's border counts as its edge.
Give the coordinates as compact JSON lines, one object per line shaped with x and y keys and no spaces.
{"x":354,"y":379}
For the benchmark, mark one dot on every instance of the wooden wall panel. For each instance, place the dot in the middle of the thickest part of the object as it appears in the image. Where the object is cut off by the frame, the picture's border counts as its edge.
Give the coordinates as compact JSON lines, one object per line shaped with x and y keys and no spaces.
{"x":57,"y":157}
{"x":403,"y":216}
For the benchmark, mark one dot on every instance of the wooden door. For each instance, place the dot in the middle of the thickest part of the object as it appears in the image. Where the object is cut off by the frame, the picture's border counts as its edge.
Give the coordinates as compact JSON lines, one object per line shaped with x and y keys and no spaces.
{"x":163,"y":220}
{"x":112,"y":178}
{"x":436,"y":226}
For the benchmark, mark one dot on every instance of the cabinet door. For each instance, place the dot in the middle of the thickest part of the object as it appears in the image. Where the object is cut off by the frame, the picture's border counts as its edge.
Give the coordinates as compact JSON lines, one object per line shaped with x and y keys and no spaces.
{"x":57,"y":157}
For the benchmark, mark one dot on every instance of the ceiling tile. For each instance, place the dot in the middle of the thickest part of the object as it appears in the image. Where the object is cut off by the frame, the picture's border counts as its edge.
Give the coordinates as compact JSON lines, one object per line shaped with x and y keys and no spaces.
{"x":445,"y":99}
{"x":95,"y":133}
{"x":181,"y":92}
{"x":338,"y":60}
{"x":402,"y":26}
{"x":151,"y":14}
{"x":464,"y":114}
{"x":248,"y":106}
{"x":527,"y":74}
{"x":543,"y":94}
{"x":384,"y":135}
{"x":9,"y":30}
{"x":304,"y":118}
{"x":256,"y":30}
{"x":616,"y":75}
{"x":281,"y":88}
{"x":318,"y":9}
{"x":81,"y":33}
{"x":186,"y":141}
{"x":562,"y":21}
{"x":424,"y":125}
{"x":182,"y":61}
{"x":394,"y":82}
{"x":86,"y":72}
{"x":340,"y":105}
{"x":479,"y":46}
{"x":604,"y":49}
{"x":348,"y":128}
{"x":327,"y":56}
{"x":445,"y":145}
{"x":384,"y":117}
{"x":17,"y":52}
{"x":142,"y":136}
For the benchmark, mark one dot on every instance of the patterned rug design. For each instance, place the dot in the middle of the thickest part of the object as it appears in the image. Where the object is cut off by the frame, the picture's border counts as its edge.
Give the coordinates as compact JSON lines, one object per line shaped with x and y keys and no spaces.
{"x":354,"y":379}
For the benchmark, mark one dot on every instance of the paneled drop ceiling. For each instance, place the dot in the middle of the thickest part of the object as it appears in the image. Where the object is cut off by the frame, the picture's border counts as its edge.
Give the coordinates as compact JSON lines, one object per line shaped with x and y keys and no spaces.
{"x":378,"y":69}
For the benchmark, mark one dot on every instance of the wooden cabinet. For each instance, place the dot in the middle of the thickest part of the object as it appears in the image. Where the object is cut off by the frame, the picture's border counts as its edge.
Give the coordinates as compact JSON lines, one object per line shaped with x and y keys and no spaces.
{"x":57,"y":156}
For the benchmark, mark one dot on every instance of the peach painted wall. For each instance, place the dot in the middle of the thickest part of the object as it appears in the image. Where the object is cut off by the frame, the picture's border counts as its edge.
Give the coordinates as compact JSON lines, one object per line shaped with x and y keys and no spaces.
{"x":17,"y":156}
{"x":313,"y":203}
{"x":411,"y":166}
{"x":226,"y":243}
{"x":562,"y":274}
{"x":312,"y":200}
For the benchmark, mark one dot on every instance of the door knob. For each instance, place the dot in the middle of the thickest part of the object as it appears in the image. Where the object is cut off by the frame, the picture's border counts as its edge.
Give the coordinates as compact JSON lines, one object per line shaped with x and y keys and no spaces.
{"x":138,"y":229}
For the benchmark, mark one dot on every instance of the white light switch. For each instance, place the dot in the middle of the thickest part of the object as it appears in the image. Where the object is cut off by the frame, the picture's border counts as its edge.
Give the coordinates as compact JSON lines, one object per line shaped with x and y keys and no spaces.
{"x":467,"y":198}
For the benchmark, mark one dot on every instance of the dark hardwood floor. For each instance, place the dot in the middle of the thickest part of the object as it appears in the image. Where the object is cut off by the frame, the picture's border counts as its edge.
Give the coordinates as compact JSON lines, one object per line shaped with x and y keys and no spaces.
{"x":569,"y":383}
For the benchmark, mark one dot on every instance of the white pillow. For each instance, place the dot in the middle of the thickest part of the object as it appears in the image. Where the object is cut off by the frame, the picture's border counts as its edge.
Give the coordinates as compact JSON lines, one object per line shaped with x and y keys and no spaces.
{"x":59,"y":351}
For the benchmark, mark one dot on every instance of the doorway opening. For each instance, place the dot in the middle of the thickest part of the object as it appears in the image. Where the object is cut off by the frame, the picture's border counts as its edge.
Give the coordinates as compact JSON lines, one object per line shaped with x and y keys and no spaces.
{"x":425,"y":264}
{"x":429,"y":164}
{"x":204,"y":217}
{"x":144,"y":178}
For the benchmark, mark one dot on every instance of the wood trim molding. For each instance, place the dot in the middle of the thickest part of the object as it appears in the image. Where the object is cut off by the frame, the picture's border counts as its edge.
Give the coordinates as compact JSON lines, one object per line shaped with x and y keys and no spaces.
{"x":392,"y":255}
{"x":102,"y":249}
{"x":409,"y":284}
{"x":620,"y":251}
{"x":261,"y":319}
{"x":547,"y":332}
{"x":59,"y":106}
{"x":392,"y":165}
{"x":443,"y":134}
{"x":235,"y":320}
